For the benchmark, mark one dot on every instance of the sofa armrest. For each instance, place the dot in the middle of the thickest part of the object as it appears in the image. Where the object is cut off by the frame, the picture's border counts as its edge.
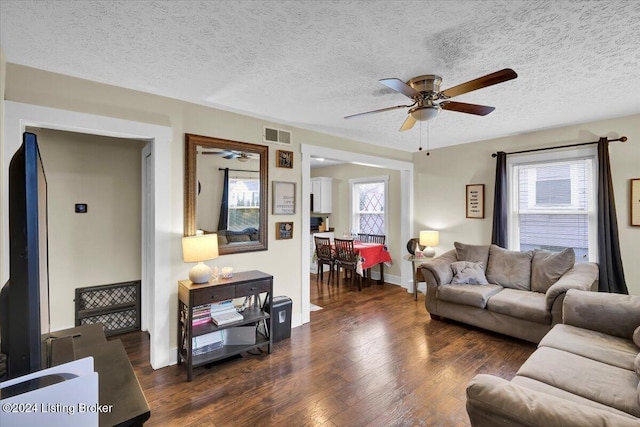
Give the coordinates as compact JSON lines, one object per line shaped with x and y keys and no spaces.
{"x":494,"y":401}
{"x":581,"y":276}
{"x":612,"y":314}
{"x":438,"y":270}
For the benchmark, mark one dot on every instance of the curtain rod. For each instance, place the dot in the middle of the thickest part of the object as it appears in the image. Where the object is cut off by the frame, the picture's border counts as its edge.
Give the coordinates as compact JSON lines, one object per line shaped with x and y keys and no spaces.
{"x":622,"y":139}
{"x":237,"y":170}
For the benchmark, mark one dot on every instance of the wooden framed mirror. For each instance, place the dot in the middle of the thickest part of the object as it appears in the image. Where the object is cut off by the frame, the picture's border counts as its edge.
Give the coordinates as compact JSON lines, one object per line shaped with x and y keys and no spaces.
{"x":225,"y":187}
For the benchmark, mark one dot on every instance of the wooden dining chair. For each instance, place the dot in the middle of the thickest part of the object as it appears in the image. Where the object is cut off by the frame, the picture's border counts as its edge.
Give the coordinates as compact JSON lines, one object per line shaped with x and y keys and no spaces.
{"x":381,"y":239}
{"x":347,"y":258}
{"x":324,"y":257}
{"x":363,"y":237}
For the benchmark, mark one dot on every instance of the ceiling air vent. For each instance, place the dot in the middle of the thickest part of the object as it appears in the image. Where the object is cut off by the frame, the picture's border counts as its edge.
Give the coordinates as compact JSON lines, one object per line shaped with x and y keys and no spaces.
{"x":278,"y":136}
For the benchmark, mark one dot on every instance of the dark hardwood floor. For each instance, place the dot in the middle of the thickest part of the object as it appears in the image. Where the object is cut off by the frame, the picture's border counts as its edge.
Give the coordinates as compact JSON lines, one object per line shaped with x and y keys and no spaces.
{"x":370,"y":358}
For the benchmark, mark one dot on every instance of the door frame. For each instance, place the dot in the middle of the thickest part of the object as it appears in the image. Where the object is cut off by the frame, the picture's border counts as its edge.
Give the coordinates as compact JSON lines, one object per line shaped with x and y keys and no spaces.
{"x":406,"y":209}
{"x":156,"y":257}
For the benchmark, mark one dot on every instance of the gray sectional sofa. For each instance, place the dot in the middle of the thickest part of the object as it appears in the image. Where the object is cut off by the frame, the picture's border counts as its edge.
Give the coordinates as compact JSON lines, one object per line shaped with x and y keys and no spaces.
{"x":514,"y":293}
{"x":585,"y":371}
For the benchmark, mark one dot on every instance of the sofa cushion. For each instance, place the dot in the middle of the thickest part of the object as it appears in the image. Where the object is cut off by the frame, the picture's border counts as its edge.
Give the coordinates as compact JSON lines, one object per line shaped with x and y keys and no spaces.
{"x":521,"y":304}
{"x":547,"y":267}
{"x":612,"y":314}
{"x":636,"y":336}
{"x":592,"y":345}
{"x":473,"y":295}
{"x":511,"y":269}
{"x":472,"y":253}
{"x":636,"y":364}
{"x":597,"y":381}
{"x":557,"y":392}
{"x":465,"y":272}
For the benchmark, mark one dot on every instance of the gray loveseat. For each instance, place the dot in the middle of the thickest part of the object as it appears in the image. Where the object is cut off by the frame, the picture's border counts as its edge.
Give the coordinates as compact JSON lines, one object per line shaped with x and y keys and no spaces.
{"x":514,"y":293}
{"x":585,"y":371}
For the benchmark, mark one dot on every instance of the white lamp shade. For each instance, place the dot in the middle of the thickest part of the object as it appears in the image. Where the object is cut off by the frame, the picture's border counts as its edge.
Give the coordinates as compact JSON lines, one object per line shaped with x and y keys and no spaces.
{"x":422,"y":114}
{"x":429,"y":238}
{"x":200,"y":248}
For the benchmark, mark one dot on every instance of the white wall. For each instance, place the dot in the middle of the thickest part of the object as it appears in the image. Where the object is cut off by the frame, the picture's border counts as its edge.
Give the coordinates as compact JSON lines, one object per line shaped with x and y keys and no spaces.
{"x":102,"y":246}
{"x":440,"y":181}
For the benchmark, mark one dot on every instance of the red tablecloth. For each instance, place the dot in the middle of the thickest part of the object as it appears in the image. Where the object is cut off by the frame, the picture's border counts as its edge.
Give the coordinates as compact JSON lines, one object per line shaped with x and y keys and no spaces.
{"x":371,"y":254}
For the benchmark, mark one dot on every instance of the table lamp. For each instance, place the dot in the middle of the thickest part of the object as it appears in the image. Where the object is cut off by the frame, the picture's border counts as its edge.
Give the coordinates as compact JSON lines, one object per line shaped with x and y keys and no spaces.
{"x":429,"y":239}
{"x":199,"y":249}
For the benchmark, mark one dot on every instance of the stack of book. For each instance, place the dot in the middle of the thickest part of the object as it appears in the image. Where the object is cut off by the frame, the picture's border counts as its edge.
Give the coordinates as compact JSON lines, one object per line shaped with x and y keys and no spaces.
{"x":201,"y":315}
{"x":224,"y":312}
{"x":206,"y":343}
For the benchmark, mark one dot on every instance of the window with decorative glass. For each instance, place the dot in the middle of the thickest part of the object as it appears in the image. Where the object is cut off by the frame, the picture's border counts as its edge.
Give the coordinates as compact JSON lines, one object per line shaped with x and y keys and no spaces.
{"x":244,"y":203}
{"x":552,"y":204}
{"x":369,"y":205}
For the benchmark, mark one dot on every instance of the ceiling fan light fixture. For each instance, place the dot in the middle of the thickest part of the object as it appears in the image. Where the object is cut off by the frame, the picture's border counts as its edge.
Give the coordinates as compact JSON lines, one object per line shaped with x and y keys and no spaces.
{"x":423,"y":114}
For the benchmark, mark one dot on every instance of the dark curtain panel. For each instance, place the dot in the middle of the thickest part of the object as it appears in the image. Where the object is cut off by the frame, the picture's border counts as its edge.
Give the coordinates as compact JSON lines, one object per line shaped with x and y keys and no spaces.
{"x":499,"y":234}
{"x":224,"y":205}
{"x":609,"y":259}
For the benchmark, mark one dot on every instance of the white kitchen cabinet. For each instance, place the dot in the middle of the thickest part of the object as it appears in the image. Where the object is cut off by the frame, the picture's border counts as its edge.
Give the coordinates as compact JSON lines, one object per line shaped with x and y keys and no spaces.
{"x":321,"y":190}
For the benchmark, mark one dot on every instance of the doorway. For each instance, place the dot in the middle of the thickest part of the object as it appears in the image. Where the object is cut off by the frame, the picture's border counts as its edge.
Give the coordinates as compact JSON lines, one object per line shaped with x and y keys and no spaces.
{"x":406,"y":211}
{"x":156,"y":254}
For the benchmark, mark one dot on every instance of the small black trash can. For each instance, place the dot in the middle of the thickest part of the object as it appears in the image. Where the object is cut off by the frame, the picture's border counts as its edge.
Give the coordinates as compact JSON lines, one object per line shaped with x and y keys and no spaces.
{"x":281,"y":318}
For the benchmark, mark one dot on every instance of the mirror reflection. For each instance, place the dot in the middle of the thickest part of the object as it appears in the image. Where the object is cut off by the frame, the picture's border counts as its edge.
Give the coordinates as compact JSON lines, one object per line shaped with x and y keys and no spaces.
{"x":226,"y":192}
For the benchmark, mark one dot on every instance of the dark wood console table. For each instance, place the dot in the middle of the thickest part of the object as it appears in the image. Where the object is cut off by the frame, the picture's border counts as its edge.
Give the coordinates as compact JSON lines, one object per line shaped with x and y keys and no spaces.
{"x":248,"y":283}
{"x":117,"y":382}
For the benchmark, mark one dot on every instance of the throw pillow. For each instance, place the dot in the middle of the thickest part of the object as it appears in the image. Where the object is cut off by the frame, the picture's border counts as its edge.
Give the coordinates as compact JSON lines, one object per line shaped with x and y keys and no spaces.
{"x":472,"y":253}
{"x":636,"y":364}
{"x":511,"y":269}
{"x":547,"y":267}
{"x":636,"y":336}
{"x":465,"y":272}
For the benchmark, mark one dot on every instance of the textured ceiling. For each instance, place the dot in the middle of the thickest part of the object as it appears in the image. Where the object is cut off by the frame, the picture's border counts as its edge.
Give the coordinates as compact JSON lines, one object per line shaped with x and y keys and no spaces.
{"x":309,"y":63}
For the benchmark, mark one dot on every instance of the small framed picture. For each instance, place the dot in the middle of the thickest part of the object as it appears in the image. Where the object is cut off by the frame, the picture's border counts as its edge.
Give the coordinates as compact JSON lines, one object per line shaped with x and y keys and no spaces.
{"x":284,"y":230}
{"x":284,"y":198}
{"x":634,"y":202}
{"x":475,"y":201}
{"x":284,"y":159}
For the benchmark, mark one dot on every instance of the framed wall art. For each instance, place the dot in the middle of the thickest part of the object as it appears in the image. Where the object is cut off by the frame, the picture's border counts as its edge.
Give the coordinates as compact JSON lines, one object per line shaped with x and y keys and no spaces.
{"x":284,"y":198}
{"x":284,"y":230}
{"x":634,"y":202}
{"x":284,"y":159}
{"x":475,"y":201}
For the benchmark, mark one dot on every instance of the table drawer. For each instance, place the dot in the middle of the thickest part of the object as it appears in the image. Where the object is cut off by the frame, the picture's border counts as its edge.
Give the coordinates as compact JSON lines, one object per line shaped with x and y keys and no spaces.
{"x":253,"y":288}
{"x":213,"y":294}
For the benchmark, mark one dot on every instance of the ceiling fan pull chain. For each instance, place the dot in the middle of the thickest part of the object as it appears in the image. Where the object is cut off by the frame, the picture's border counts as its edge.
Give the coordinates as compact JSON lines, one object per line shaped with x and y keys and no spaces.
{"x":420,"y":148}
{"x":428,"y":138}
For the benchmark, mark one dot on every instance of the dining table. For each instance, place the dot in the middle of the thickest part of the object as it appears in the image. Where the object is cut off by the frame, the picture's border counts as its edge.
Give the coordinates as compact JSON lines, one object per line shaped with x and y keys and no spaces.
{"x":370,"y":255}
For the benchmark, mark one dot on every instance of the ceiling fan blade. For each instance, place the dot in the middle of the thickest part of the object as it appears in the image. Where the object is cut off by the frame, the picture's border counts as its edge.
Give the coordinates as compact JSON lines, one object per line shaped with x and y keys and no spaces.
{"x":480,"y":82}
{"x":400,"y":86}
{"x":408,"y":123}
{"x":231,"y":156}
{"x":378,"y":111}
{"x":463,"y":107}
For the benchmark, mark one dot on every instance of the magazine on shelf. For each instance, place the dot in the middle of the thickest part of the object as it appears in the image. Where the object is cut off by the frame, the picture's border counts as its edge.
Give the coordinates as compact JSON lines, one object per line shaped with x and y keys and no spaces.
{"x":224,"y":312}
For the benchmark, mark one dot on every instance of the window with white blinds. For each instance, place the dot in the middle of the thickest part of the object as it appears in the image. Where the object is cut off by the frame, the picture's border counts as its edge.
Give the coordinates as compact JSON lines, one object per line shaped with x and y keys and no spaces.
{"x":244,"y":203}
{"x":552,"y":203}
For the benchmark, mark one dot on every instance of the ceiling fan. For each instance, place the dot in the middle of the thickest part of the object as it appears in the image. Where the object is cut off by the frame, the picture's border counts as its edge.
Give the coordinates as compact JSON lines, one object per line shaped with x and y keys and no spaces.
{"x":242,"y":156}
{"x":428,"y":100}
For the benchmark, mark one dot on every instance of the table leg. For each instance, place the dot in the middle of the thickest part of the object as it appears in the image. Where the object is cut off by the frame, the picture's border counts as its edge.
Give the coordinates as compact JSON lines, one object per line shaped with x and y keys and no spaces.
{"x":415,"y":282}
{"x":381,"y":281}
